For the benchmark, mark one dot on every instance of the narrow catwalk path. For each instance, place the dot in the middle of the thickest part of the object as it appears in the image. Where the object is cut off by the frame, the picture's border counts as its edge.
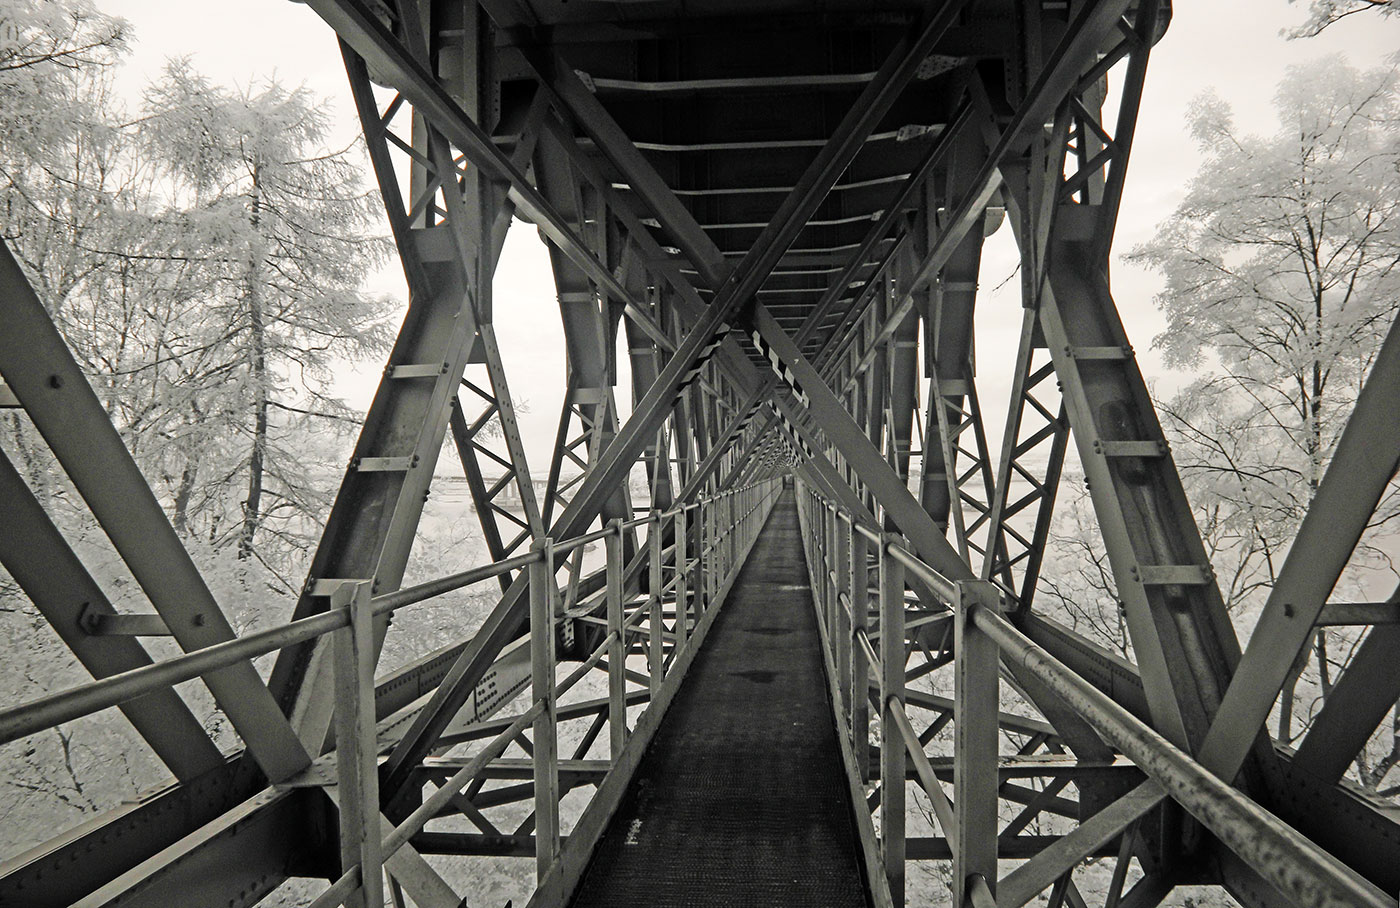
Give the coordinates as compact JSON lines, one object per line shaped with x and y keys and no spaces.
{"x":741,"y":799}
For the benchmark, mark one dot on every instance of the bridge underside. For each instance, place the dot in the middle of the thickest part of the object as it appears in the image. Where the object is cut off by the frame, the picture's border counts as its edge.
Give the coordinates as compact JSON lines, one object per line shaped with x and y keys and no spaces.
{"x":775,"y":212}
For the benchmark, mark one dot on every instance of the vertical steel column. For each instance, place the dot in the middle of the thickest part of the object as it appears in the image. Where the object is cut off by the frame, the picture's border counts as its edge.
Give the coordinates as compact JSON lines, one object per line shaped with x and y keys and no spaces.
{"x":840,"y":627}
{"x":718,"y":530}
{"x":41,"y":372}
{"x":731,"y":552}
{"x":617,"y":648}
{"x":736,"y":543}
{"x":654,"y":623}
{"x":679,"y":558}
{"x":892,"y":699}
{"x":707,"y":549}
{"x":695,"y":550}
{"x":975,"y":707}
{"x":859,"y":585}
{"x":823,"y":591}
{"x":356,"y":764}
{"x":546,"y":762}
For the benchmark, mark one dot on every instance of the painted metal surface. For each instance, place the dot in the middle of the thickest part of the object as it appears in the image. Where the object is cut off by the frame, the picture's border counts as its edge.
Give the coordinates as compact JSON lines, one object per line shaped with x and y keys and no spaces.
{"x":781,"y":214}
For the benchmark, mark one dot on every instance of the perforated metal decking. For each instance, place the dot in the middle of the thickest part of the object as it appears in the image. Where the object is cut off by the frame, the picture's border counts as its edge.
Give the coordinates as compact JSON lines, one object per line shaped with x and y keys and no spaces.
{"x":741,"y":798}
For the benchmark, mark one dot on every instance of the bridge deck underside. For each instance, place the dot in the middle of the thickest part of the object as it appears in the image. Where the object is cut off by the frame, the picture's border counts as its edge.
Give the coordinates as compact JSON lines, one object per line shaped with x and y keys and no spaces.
{"x":741,"y":797}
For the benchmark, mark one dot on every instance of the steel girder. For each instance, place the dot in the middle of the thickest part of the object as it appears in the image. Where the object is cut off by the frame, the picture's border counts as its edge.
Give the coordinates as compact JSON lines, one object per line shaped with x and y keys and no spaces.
{"x":776,"y":276}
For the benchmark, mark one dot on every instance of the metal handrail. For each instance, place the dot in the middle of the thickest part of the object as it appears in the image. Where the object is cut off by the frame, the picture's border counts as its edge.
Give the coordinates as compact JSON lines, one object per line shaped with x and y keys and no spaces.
{"x":726,"y":526}
{"x":82,"y":700}
{"x":1275,"y":850}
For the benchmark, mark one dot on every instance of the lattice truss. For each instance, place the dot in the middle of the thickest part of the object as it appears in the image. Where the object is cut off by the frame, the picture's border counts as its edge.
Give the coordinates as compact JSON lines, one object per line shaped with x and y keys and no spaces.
{"x":777,"y":214}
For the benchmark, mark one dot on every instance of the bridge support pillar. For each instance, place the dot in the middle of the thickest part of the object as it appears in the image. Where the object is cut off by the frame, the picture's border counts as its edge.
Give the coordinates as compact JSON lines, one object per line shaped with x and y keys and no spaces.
{"x":975,"y":715}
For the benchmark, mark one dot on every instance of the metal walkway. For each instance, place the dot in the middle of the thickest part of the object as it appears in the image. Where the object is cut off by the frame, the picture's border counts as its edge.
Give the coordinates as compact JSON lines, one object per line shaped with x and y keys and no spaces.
{"x":741,"y":798}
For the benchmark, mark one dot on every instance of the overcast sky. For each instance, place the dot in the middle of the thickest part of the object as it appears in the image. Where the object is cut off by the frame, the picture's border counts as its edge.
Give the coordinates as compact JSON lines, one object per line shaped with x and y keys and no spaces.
{"x":1232,"y":46}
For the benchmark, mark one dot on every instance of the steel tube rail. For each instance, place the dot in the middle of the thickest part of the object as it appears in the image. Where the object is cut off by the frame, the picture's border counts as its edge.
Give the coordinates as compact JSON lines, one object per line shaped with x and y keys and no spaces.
{"x":941,"y":585}
{"x":632,"y":619}
{"x":844,"y":600}
{"x":1275,"y":850}
{"x":871,"y":657}
{"x":411,"y":595}
{"x":568,"y":545}
{"x":65,"y":706}
{"x":74,"y":703}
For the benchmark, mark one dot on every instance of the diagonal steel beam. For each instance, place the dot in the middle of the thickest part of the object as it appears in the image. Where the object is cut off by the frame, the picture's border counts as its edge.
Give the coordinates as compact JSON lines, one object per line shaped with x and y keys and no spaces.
{"x":370,"y":529}
{"x":574,"y":99}
{"x":1095,"y":21}
{"x":361,"y":30}
{"x":689,"y":304}
{"x":1366,"y":459}
{"x":1030,"y":879}
{"x":1367,"y":690}
{"x":40,"y":370}
{"x":857,"y":446}
{"x":40,"y":560}
{"x":858,"y":449}
{"x":861,"y":257}
{"x":364,"y":31}
{"x":740,"y":286}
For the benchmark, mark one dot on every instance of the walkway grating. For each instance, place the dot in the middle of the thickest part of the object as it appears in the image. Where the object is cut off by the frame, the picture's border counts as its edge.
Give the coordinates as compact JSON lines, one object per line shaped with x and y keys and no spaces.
{"x":741,"y":798}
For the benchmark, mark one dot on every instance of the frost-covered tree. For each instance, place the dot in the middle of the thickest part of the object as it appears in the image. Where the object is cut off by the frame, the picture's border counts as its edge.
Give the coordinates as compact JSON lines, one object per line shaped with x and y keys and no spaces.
{"x":1322,"y":13}
{"x":45,"y":45}
{"x":284,"y":234}
{"x":1282,"y":276}
{"x":1282,"y":264}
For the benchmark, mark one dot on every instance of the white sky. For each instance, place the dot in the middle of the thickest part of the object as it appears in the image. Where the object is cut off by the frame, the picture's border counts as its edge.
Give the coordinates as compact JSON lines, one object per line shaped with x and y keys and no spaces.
{"x":1233,"y":46}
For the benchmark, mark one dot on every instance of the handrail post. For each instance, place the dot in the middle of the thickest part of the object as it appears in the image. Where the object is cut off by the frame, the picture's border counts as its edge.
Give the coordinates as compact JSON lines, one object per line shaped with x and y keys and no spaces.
{"x":721,"y":504}
{"x":546,"y":762}
{"x":859,"y":670}
{"x":892,"y":758}
{"x":728,"y":534}
{"x":682,"y":588}
{"x":823,"y":552}
{"x":356,"y":753}
{"x":841,"y":625}
{"x":617,"y":645}
{"x":737,"y":543}
{"x":694,"y":526}
{"x":654,"y":623}
{"x":819,"y":532}
{"x":975,"y":706}
{"x":707,"y":550}
{"x":715,"y":565}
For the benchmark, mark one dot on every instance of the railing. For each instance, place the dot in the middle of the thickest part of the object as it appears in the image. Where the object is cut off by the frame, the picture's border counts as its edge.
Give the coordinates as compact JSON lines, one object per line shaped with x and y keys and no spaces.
{"x":840,"y":550}
{"x":708,"y":542}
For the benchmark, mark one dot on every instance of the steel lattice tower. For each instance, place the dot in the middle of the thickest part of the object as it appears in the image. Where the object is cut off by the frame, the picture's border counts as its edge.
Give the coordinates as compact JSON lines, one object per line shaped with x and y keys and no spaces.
{"x":777,"y":209}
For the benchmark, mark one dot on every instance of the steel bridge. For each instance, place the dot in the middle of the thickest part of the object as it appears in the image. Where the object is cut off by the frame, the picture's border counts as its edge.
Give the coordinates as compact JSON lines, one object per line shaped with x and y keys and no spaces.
{"x":776,"y":212}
